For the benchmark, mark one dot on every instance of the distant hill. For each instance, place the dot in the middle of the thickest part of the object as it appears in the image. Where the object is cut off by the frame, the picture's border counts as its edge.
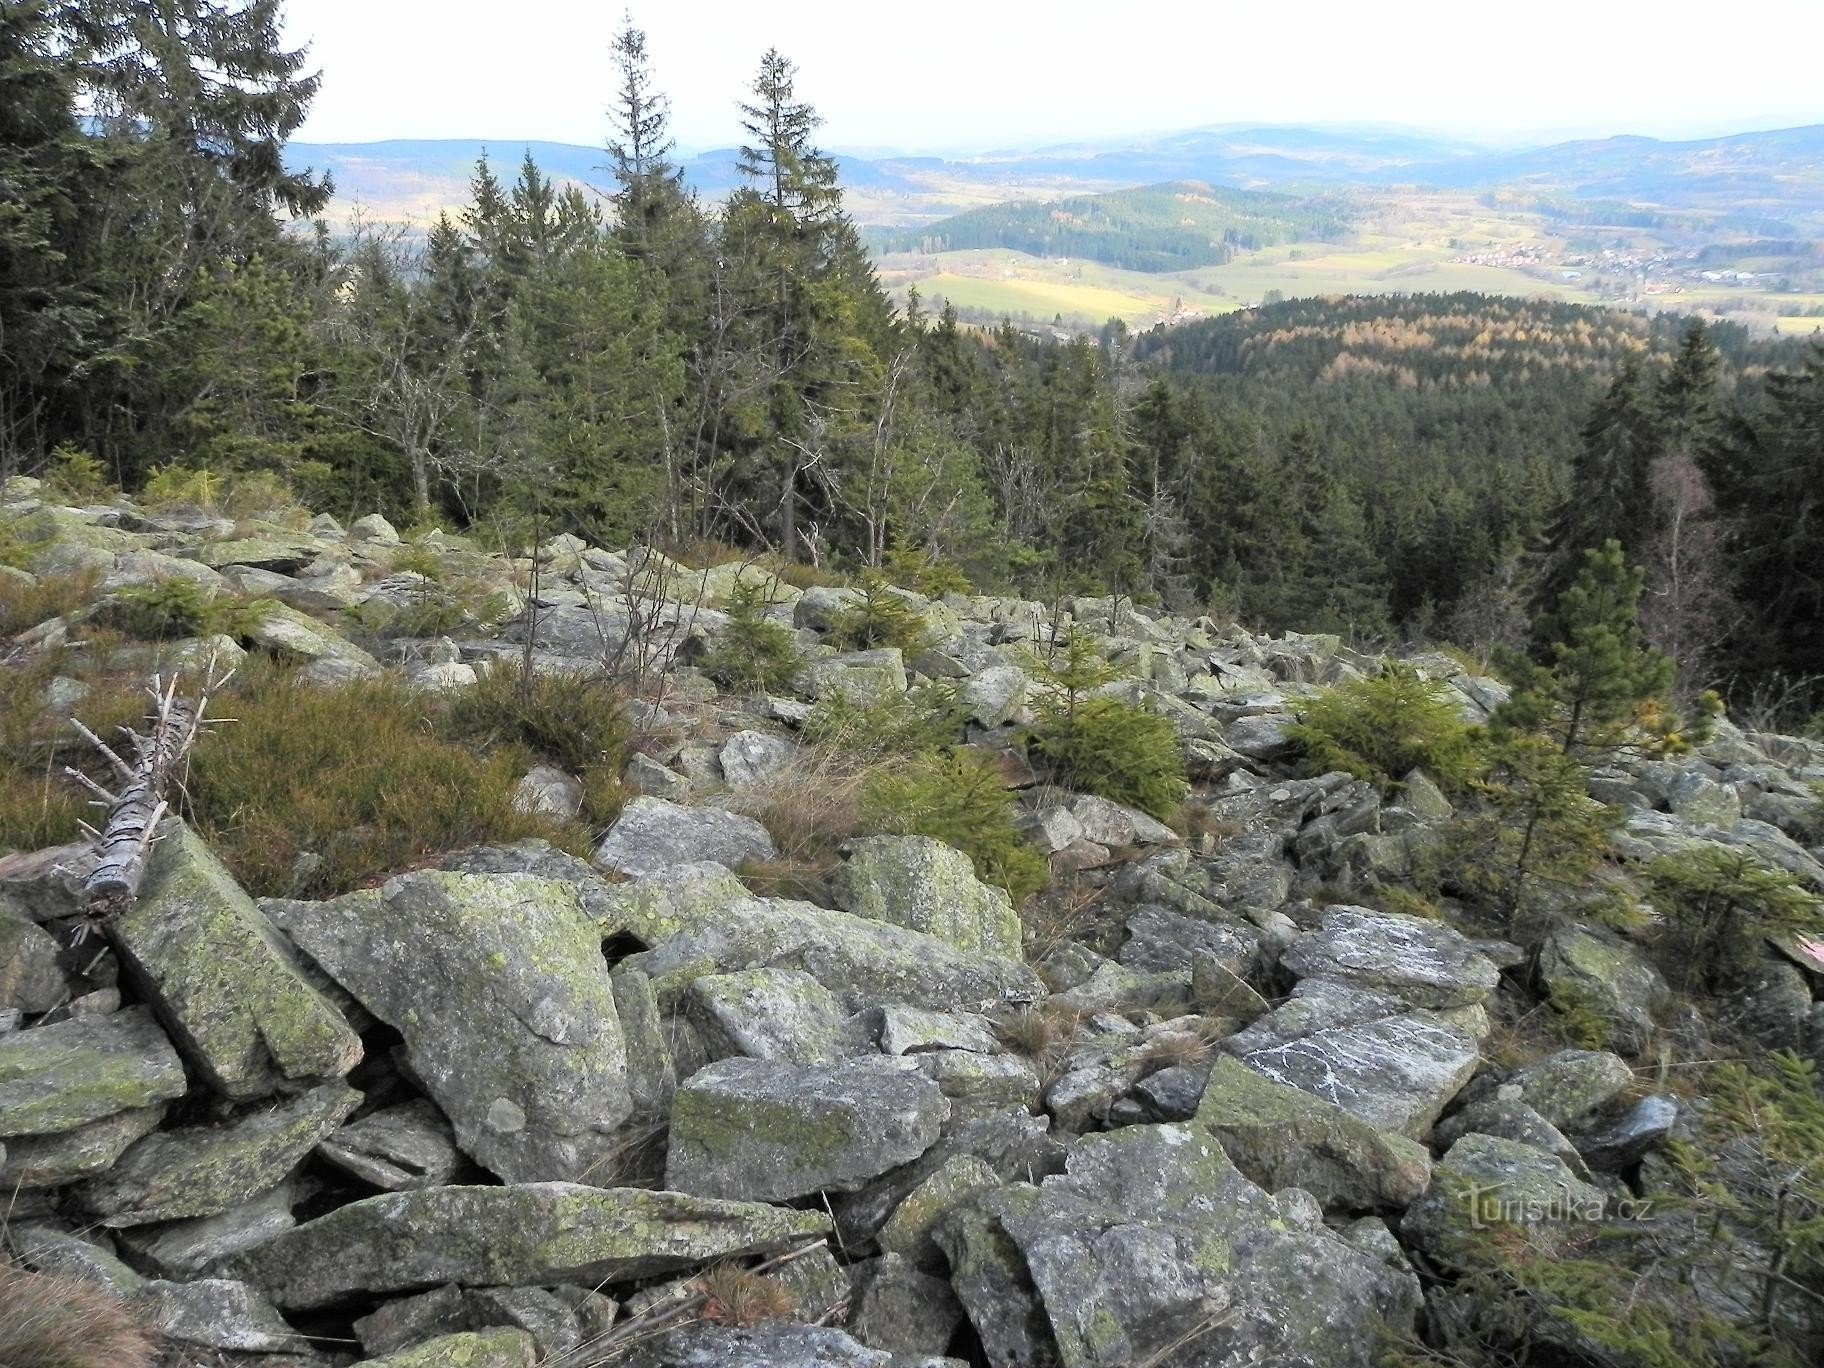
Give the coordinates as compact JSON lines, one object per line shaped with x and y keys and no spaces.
{"x":1171,"y":227}
{"x":1774,"y":177}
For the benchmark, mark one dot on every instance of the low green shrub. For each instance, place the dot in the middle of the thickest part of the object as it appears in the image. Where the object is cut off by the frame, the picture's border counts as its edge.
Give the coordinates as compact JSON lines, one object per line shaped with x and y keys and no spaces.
{"x":753,"y":654}
{"x":960,"y":798}
{"x":357,"y":776}
{"x":926,"y":718}
{"x":77,"y":477}
{"x":167,"y":609}
{"x":1715,"y":906}
{"x":1115,"y":750}
{"x":1383,"y":727}
{"x":575,"y":720}
{"x":882,"y":616}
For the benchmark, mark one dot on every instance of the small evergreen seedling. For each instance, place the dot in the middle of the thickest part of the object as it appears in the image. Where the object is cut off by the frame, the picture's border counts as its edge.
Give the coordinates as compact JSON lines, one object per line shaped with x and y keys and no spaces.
{"x":753,"y":654}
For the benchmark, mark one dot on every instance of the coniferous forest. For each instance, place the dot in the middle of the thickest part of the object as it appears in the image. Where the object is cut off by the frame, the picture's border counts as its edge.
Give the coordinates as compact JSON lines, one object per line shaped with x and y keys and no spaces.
{"x":663,"y":369}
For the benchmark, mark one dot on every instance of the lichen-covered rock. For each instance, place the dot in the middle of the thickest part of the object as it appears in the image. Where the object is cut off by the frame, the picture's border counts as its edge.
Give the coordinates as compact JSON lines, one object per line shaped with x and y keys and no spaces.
{"x":1424,"y":963}
{"x":1160,"y":940}
{"x":1485,"y":1187}
{"x":1592,"y":971}
{"x":908,"y":1230}
{"x":222,"y":979}
{"x":778,"y":1345}
{"x":700,"y":920}
{"x":203,"y":1170}
{"x":546,"y":789}
{"x":527,"y":1235}
{"x":652,"y":1075}
{"x":652,"y":835}
{"x":924,"y":885}
{"x":396,"y":1149}
{"x":1152,"y":1243}
{"x":901,"y":1310}
{"x":750,"y":757}
{"x":30,"y":979}
{"x":980,"y":1084}
{"x":1283,"y":1137}
{"x":994,"y":694}
{"x":56,"y":1078}
{"x":1568,"y":1086}
{"x":503,"y":1346}
{"x":50,"y":1250}
{"x":498,"y":985}
{"x":33,"y":1161}
{"x":862,"y":677}
{"x":292,"y":635}
{"x":1394,"y":1072}
{"x":782,"y":1014}
{"x":912,"y":1030}
{"x":771,"y":1131}
{"x":1111,"y":824}
{"x":1506,"y":1117}
{"x":181,"y":1250}
{"x":216,"y":1313}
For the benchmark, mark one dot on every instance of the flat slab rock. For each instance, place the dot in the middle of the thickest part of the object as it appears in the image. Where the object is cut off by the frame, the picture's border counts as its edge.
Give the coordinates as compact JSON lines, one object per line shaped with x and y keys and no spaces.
{"x":652,"y":834}
{"x":56,"y":1078}
{"x":775,"y":1346}
{"x":222,"y":979}
{"x":1397,"y":1073}
{"x":498,"y":985}
{"x":527,"y":1235}
{"x":1424,"y":963}
{"x":771,"y":1131}
{"x":1152,"y":1247}
{"x":700,"y":920}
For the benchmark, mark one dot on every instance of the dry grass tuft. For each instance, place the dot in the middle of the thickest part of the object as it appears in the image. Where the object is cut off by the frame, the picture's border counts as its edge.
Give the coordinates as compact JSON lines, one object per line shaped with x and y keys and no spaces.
{"x":25,"y":604}
{"x":810,"y":806}
{"x":1037,"y":1032}
{"x":736,"y":1296}
{"x":1171,"y":1049}
{"x":51,"y":1321}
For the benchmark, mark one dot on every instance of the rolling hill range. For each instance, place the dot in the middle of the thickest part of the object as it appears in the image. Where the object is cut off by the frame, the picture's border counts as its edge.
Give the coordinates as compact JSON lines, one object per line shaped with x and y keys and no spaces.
{"x":1199,"y":222}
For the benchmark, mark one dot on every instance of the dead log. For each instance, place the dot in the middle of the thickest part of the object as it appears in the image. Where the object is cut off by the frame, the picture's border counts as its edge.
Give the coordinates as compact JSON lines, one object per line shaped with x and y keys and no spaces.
{"x":124,"y":841}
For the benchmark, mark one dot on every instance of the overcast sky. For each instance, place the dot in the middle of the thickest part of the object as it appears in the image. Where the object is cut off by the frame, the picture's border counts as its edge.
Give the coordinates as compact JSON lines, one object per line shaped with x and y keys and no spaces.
{"x":936,"y":75}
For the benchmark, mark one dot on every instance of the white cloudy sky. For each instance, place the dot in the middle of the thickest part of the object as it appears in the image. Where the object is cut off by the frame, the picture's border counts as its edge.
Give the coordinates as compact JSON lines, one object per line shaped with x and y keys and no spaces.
{"x":940,"y":75}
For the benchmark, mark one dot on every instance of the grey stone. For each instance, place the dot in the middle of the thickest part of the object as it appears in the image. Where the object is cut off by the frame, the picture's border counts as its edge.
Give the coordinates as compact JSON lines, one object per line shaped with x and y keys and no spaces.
{"x":498,"y":985}
{"x":1508,"y":1118}
{"x":1282,"y":1136}
{"x":1568,"y":1086}
{"x":700,"y":920}
{"x":772,"y":1131}
{"x":647,"y":776}
{"x":1263,"y":736}
{"x":405,"y":1321}
{"x":50,"y":1250}
{"x":546,"y":1317}
{"x":546,"y":789}
{"x":750,"y":757}
{"x":222,"y":979}
{"x":1153,"y":1244}
{"x":1159,"y":940}
{"x":204,"y":1170}
{"x":1421,"y":962}
{"x":980,"y":1084}
{"x":396,"y":1149}
{"x":908,"y":1230}
{"x":781,"y":1014}
{"x":1394,"y":1072}
{"x":503,"y":1346}
{"x":30,"y":979}
{"x":1598,"y":972}
{"x":651,"y":1071}
{"x":903,"y":1311}
{"x":180,"y":1250}
{"x":1647,"y":1124}
{"x":34,"y":1161}
{"x":1485,"y":1185}
{"x":652,"y":835}
{"x":994,"y":694}
{"x":56,"y":1078}
{"x":1111,"y":824}
{"x":924,"y":885}
{"x":774,"y":1346}
{"x":374,"y":530}
{"x":912,"y":1030}
{"x":216,"y":1313}
{"x":527,"y":1235}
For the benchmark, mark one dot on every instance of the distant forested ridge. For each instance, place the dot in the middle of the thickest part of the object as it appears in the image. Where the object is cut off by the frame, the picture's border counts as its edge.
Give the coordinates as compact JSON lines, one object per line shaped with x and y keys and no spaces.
{"x":1171,"y":227}
{"x":731,"y":380}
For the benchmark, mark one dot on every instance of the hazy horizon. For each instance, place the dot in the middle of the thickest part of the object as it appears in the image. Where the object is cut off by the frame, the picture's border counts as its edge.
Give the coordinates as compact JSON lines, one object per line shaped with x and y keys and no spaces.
{"x":958,"y":79}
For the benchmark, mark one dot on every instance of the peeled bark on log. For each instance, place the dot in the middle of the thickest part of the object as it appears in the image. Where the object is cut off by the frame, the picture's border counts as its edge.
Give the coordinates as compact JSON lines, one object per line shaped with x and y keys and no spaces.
{"x":126,"y":835}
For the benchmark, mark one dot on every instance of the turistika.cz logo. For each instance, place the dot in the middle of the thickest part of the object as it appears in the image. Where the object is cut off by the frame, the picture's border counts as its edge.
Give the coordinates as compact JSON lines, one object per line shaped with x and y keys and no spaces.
{"x":1494,"y":1206}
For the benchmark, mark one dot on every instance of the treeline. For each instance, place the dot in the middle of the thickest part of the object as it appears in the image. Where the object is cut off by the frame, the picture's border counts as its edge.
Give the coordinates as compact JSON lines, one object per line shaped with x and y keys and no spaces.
{"x":663,"y":370}
{"x":1171,"y":227}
